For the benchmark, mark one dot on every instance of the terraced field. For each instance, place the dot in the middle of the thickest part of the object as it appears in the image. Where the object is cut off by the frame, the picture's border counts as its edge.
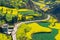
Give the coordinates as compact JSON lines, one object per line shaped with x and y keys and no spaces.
{"x":13,"y":11}
{"x":48,"y":30}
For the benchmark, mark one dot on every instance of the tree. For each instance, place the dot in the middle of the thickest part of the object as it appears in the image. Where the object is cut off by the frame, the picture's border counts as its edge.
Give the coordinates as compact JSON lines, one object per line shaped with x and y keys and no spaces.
{"x":2,"y":22}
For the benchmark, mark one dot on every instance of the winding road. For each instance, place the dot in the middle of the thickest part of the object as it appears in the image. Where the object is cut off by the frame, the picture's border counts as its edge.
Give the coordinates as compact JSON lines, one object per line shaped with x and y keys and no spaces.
{"x":19,"y":24}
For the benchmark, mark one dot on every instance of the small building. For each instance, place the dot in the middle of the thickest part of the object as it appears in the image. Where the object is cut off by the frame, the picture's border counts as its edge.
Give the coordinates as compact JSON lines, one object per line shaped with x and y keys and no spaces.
{"x":6,"y":29}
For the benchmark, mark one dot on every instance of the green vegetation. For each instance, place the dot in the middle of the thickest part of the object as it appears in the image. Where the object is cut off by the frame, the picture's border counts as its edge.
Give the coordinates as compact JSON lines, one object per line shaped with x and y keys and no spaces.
{"x":45,"y":36}
{"x":5,"y":37}
{"x":12,"y":16}
{"x":27,"y":12}
{"x":12,"y":3}
{"x":44,"y":24}
{"x":21,"y":32}
{"x":8,"y":17}
{"x":2,"y":22}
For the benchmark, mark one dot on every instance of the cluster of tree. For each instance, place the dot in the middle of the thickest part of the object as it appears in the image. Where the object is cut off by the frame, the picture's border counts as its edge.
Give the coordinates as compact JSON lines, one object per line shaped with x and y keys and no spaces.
{"x":13,"y":3}
{"x":7,"y":17}
{"x":11,"y":16}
